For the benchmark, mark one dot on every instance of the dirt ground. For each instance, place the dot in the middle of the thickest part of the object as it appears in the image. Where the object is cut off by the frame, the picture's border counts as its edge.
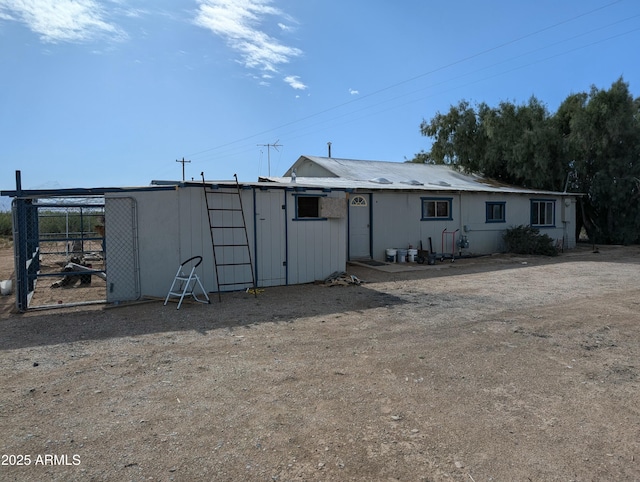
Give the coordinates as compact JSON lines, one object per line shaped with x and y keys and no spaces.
{"x":504,"y":368}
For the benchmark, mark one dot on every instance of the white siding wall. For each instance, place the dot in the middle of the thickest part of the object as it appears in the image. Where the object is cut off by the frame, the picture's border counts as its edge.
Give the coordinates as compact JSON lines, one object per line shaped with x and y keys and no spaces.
{"x":396,"y":221}
{"x":271,"y":241}
{"x":173,"y":226}
{"x":484,"y":237}
{"x":317,"y":248}
{"x":487,"y":237}
{"x":224,"y":198}
{"x":158,"y":240}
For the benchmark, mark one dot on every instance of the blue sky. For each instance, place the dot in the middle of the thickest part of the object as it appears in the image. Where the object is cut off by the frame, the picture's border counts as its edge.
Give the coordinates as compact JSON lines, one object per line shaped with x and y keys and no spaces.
{"x":98,"y":93}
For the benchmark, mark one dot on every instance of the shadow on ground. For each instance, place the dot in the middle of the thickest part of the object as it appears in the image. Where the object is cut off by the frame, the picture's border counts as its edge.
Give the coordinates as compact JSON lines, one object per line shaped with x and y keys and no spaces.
{"x":240,"y":310}
{"x":236,"y":311}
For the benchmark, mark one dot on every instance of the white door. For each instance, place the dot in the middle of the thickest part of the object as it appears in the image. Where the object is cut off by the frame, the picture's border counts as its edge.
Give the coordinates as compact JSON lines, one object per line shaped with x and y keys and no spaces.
{"x":270,"y":238}
{"x":359,"y":226}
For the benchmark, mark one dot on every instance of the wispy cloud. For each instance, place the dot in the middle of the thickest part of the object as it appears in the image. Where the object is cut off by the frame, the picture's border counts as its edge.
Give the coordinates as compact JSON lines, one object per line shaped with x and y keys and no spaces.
{"x":239,"y":22}
{"x":353,"y":92}
{"x":62,"y":20}
{"x":294,"y":82}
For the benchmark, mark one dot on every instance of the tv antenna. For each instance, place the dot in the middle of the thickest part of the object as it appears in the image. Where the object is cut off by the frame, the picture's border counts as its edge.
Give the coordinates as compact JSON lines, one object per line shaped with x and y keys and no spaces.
{"x":275,"y":145}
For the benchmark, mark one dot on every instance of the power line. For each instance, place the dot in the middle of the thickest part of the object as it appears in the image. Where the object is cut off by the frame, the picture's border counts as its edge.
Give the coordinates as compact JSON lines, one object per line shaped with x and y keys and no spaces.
{"x":241,"y":149}
{"x":411,"y":79}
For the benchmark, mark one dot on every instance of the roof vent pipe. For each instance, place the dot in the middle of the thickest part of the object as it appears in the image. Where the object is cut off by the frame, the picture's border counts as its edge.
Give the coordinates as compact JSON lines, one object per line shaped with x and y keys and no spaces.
{"x":329,"y":148}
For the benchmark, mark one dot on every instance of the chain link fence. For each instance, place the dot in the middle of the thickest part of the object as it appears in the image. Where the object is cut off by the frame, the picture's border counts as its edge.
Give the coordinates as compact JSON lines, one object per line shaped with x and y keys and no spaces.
{"x":60,"y":247}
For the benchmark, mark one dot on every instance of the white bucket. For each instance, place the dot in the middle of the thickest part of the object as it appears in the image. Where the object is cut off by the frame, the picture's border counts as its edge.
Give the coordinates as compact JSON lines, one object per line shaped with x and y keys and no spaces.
{"x":5,"y":287}
{"x":402,"y":255}
{"x":391,"y":255}
{"x":411,"y":255}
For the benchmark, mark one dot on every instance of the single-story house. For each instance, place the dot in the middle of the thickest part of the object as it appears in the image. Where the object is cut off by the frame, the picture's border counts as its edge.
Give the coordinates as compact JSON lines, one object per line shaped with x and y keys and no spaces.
{"x":293,"y":229}
{"x":397,"y":205}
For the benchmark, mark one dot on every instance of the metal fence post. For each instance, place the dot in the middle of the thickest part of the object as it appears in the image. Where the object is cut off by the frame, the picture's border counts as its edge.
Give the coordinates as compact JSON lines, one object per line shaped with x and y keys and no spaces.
{"x":20,"y":247}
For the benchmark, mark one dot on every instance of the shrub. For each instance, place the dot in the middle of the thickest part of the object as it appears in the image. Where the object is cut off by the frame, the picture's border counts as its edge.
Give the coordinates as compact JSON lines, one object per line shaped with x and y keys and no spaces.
{"x":5,"y":224}
{"x":528,"y":240}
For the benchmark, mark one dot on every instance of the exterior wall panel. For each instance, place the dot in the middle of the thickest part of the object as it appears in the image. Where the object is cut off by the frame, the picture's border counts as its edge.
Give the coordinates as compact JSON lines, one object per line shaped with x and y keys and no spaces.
{"x":397,"y":221}
{"x":173,"y":226}
{"x":317,"y":248}
{"x":158,"y":240}
{"x":270,"y":238}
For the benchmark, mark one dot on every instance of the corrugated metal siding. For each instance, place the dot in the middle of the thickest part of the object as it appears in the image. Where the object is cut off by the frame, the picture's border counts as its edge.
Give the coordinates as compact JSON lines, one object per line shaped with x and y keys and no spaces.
{"x":337,"y":173}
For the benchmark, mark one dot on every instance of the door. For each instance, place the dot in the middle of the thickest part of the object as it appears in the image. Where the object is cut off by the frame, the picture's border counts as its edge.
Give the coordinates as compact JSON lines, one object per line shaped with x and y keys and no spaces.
{"x":360,"y":226}
{"x":270,"y":238}
{"x":121,"y":249}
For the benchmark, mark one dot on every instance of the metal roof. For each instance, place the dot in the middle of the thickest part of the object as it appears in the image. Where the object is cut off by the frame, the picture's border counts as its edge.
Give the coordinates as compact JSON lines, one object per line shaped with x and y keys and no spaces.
{"x":342,"y":174}
{"x":83,"y":192}
{"x":384,"y":175}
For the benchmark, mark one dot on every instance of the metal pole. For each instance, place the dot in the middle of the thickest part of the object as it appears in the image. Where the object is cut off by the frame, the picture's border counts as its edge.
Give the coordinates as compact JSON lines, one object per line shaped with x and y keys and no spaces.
{"x":66,"y":245}
{"x":275,"y":145}
{"x":20,"y":248}
{"x":183,"y":162}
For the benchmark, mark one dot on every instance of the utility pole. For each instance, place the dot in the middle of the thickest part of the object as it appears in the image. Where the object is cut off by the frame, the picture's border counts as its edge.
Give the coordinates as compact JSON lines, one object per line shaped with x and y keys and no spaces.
{"x":275,"y":145}
{"x":183,"y":162}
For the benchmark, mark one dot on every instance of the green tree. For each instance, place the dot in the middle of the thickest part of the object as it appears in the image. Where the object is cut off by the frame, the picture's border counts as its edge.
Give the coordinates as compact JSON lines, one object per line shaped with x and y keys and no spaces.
{"x":455,"y":136}
{"x":422,"y":157}
{"x":604,"y":137}
{"x":590,"y":145}
{"x":535,"y":154}
{"x":516,"y":144}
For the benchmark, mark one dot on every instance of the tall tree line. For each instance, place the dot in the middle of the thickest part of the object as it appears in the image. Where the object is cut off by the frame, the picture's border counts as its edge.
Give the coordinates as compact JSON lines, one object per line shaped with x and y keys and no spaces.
{"x":590,"y":145}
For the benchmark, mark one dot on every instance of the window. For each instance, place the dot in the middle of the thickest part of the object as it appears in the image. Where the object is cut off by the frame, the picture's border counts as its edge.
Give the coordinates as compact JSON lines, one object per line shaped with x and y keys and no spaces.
{"x":436,"y":208}
{"x":358,"y":201}
{"x":543,"y":212}
{"x":496,"y":212}
{"x":308,"y":207}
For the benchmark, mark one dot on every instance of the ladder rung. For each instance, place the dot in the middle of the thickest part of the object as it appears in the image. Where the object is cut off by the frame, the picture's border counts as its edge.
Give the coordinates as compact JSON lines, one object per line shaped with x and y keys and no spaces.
{"x":236,"y":224}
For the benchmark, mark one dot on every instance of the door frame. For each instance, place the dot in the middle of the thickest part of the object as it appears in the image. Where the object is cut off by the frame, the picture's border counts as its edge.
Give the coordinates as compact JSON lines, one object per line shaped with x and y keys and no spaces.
{"x":368,"y":198}
{"x":282,"y":236}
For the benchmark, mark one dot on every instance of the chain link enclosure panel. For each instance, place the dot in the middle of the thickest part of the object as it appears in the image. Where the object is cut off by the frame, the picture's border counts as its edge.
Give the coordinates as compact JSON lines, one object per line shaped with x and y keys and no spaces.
{"x":61,"y":251}
{"x":121,"y":238}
